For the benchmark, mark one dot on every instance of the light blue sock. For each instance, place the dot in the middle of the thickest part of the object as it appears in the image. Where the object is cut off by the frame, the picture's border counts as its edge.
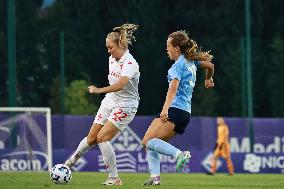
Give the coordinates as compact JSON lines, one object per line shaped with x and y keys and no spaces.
{"x":162,"y":147}
{"x":153,"y":163}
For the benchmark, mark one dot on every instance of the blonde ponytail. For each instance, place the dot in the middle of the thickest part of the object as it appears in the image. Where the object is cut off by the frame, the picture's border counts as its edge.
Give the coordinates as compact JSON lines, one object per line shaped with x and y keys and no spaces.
{"x":123,"y":35}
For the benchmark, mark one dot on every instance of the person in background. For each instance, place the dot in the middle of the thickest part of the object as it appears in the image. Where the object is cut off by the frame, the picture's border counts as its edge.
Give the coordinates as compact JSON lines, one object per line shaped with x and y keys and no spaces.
{"x":222,"y":147}
{"x":120,"y":103}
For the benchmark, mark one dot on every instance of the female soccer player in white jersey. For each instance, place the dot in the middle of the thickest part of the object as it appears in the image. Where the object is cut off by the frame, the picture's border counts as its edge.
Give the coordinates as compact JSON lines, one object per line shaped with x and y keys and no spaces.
{"x":176,"y":111}
{"x":119,"y":105}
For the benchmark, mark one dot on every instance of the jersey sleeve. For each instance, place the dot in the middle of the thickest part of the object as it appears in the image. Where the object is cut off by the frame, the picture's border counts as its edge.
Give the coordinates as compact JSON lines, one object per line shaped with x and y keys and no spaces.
{"x":129,"y":69}
{"x":176,"y":71}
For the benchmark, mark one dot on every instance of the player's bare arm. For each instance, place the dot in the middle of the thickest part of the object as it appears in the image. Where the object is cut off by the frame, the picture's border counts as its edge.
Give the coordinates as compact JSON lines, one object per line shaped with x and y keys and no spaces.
{"x":119,"y":85}
{"x":209,"y":73}
{"x":173,"y":86}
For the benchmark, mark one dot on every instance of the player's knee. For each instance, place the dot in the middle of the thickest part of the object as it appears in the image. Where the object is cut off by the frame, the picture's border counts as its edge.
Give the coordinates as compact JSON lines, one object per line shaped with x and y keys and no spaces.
{"x":91,"y":140}
{"x":101,"y":138}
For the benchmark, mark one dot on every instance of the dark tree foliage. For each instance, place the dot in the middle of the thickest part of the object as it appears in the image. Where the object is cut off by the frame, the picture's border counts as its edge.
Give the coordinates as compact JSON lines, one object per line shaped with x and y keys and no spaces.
{"x":216,"y":25}
{"x":3,"y":53}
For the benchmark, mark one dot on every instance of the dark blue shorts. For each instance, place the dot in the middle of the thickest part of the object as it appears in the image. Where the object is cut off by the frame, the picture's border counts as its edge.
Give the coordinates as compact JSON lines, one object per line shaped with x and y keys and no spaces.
{"x":178,"y":117}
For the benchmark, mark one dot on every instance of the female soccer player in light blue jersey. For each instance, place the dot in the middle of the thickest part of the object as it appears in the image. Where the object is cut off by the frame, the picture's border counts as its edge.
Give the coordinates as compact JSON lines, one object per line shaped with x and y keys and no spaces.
{"x":176,"y":111}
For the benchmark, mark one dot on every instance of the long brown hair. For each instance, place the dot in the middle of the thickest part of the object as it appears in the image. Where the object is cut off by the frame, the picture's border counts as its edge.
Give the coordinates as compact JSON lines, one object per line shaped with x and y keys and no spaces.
{"x":123,"y":35}
{"x":189,"y":47}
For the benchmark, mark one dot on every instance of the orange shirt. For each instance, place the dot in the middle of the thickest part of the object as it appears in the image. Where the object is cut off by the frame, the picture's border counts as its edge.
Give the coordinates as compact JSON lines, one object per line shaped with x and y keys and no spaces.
{"x":223,"y":134}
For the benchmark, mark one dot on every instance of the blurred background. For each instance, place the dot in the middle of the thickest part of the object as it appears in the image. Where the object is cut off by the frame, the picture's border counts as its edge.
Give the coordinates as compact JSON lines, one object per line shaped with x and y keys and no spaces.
{"x":51,"y":50}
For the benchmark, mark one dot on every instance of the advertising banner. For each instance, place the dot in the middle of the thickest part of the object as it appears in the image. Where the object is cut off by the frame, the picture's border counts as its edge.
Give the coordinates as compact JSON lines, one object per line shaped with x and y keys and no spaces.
{"x":23,"y":142}
{"x":199,"y":138}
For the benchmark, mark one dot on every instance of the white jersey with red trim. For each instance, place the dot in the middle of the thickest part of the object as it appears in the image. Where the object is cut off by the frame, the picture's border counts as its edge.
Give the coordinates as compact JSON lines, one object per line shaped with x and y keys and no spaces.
{"x":126,"y":66}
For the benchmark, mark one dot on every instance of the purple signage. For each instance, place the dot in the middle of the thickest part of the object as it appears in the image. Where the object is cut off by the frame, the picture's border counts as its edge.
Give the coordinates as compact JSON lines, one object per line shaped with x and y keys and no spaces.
{"x":199,"y":138}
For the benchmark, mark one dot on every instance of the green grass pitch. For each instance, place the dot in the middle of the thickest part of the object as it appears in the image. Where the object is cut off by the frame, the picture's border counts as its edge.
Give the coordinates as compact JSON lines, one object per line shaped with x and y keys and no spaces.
{"x":92,"y":180}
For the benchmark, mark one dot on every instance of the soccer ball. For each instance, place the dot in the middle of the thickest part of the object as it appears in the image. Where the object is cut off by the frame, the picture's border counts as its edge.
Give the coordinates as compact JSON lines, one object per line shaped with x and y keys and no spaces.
{"x":60,"y":174}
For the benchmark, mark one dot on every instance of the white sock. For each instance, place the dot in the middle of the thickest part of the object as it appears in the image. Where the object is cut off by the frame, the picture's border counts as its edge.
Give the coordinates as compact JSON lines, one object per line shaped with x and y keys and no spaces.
{"x":109,"y":158}
{"x":81,"y":150}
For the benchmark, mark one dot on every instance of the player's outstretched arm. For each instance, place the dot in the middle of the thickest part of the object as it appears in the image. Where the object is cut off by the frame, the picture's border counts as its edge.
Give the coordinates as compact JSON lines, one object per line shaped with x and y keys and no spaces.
{"x":172,"y":90}
{"x":209,"y":73}
{"x":119,"y":85}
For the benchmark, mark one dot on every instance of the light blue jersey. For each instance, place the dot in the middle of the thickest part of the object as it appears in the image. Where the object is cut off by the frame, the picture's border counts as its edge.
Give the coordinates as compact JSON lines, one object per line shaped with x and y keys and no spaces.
{"x":184,"y":71}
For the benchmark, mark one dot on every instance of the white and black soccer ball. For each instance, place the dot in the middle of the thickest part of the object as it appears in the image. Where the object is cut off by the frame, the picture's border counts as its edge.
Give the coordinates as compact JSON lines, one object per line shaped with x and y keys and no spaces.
{"x":60,"y":174}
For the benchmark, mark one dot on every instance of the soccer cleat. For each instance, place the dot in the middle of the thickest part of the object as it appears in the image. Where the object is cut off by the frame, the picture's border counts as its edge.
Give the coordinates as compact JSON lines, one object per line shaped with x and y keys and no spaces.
{"x":182,"y":160}
{"x":69,"y":163}
{"x":72,"y":161}
{"x":210,"y":173}
{"x":153,"y":181}
{"x":116,"y":181}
